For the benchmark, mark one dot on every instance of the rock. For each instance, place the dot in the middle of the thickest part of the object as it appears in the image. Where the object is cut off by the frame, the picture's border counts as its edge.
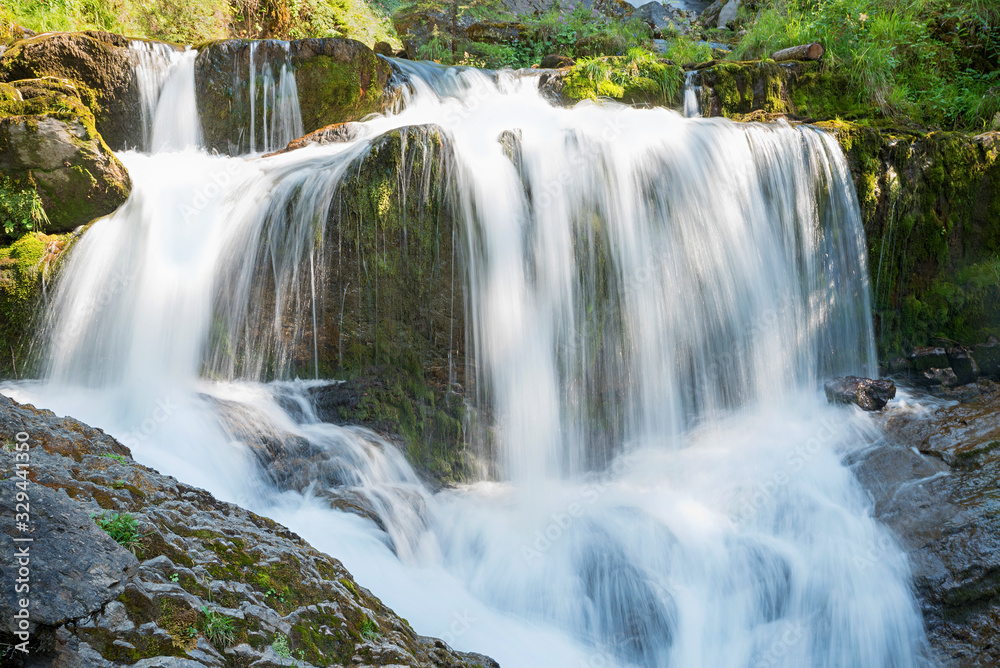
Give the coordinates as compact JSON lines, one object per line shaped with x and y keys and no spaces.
{"x":337,"y":133}
{"x":939,"y":377}
{"x":53,"y":147}
{"x":943,"y":508}
{"x":656,"y":16}
{"x":338,"y":80}
{"x":928,"y":357}
{"x":384,"y":49}
{"x":964,"y":365}
{"x":74,"y":567}
{"x":987,"y":357}
{"x":616,"y":9}
{"x":727,"y":15}
{"x":900,"y":365}
{"x":197,"y":551}
{"x":99,"y":63}
{"x":868,"y":394}
{"x":710,"y":17}
{"x":554,"y":61}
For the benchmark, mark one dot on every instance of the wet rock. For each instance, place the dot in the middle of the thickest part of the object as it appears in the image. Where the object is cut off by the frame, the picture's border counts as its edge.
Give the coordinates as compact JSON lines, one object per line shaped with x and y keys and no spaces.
{"x":338,"y":133}
{"x":929,"y":357}
{"x":900,"y":365}
{"x":197,"y":552}
{"x":868,"y":394}
{"x":941,"y":503}
{"x":939,"y":378}
{"x":554,"y":61}
{"x":338,"y":80}
{"x":384,"y":49}
{"x":963,"y":364}
{"x":99,"y":63}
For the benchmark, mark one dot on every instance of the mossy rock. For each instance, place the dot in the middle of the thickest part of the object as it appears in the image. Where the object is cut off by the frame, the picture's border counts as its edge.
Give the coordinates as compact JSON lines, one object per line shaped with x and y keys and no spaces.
{"x":931,"y":209}
{"x":99,"y":64}
{"x":23,"y":266}
{"x":338,"y":80}
{"x":49,"y":143}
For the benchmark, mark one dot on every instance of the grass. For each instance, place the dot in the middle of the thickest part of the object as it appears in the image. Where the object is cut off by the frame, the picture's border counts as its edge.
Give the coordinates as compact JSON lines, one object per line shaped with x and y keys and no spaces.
{"x":122,"y":527}
{"x":932,"y":62}
{"x":218,"y":628}
{"x":370,"y":630}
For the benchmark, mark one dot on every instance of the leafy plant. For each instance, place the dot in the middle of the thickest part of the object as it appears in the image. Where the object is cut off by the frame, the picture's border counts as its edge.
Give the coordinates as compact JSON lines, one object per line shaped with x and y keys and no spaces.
{"x":370,"y":630}
{"x":218,"y":628}
{"x":118,"y":458}
{"x":122,"y":527}
{"x":21,"y":208}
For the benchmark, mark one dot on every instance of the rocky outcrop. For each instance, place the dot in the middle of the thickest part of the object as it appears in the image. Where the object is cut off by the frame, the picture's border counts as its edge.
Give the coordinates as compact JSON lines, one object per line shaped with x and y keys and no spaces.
{"x":101,"y":67}
{"x":49,"y":144}
{"x":338,"y":80}
{"x":200,"y":565}
{"x":930,"y":204}
{"x":867,"y":394}
{"x":942,"y":505}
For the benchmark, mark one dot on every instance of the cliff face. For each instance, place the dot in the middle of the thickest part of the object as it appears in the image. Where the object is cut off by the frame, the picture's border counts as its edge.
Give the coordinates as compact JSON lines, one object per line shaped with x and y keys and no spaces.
{"x":201,"y":580}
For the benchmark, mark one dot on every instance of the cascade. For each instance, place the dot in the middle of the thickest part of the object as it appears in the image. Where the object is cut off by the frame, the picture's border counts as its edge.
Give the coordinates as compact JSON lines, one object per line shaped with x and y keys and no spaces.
{"x":274,"y":101}
{"x":652,"y":304}
{"x":691,"y":94}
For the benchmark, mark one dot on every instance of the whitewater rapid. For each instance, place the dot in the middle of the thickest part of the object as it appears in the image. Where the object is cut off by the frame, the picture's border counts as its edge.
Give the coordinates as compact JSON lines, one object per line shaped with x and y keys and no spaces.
{"x":654,"y":302}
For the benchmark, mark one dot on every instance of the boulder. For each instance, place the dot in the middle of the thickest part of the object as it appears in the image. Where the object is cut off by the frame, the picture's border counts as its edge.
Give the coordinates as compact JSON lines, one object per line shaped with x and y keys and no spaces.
{"x":100,"y":64}
{"x":384,"y":49}
{"x":75,"y":567}
{"x":662,"y":18}
{"x":929,"y":357}
{"x":963,"y":364}
{"x":987,"y":357}
{"x":939,"y":377}
{"x":868,"y":394}
{"x":554,"y":61}
{"x":727,"y":15}
{"x":338,"y":80}
{"x":49,"y":144}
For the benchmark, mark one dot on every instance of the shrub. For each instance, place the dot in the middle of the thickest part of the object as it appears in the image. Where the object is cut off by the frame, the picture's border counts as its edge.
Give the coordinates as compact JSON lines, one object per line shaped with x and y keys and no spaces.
{"x":122,"y":527}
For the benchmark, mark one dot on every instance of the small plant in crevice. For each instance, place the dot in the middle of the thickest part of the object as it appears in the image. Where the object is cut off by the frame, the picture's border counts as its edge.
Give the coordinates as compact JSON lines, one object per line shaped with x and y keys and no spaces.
{"x":122,"y":527}
{"x":218,"y":628}
{"x":174,"y":577}
{"x":21,"y":208}
{"x":281,"y":647}
{"x":370,"y":630}
{"x":118,"y":458}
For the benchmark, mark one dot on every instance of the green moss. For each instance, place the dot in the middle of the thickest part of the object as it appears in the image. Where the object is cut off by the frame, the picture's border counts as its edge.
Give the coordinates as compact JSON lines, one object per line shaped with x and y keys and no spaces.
{"x":637,"y":77}
{"x":333,"y":92}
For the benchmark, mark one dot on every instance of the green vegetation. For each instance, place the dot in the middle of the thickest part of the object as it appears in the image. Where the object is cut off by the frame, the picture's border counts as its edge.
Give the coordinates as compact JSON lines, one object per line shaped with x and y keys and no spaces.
{"x":932,"y":62}
{"x":500,"y":39}
{"x":122,"y":527}
{"x":118,"y":458}
{"x":218,"y":628}
{"x":21,"y":208}
{"x":195,"y":21}
{"x":637,"y":76}
{"x":370,"y":630}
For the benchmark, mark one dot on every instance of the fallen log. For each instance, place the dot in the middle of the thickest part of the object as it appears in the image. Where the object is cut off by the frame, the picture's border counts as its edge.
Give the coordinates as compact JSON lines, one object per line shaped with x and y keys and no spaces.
{"x":812,"y":51}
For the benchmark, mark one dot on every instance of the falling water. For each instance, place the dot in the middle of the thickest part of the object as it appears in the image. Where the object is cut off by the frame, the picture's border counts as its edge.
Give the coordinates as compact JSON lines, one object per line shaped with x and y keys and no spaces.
{"x":274,"y":101}
{"x":653,"y":302}
{"x":691,"y":93}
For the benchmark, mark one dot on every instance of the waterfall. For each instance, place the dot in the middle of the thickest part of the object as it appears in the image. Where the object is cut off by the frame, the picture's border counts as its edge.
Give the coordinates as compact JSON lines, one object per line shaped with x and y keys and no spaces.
{"x":274,"y":101}
{"x":691,"y":94}
{"x":652,"y":303}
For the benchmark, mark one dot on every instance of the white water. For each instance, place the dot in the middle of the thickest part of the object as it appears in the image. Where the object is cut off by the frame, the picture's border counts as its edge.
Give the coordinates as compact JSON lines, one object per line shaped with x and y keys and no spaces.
{"x":691,"y":94}
{"x":651,"y":328}
{"x":276,"y":104}
{"x":163,"y":71}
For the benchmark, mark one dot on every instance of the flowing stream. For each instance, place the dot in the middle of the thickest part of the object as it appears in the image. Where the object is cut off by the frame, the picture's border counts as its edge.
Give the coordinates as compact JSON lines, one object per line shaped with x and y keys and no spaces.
{"x":653,"y":302}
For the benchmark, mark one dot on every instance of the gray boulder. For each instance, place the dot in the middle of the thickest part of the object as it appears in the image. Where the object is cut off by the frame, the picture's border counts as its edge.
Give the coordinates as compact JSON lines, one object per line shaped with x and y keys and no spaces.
{"x":868,"y":394}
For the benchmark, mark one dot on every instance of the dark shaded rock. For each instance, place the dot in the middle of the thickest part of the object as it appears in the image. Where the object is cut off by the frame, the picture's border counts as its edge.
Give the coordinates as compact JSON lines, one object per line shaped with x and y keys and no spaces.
{"x":198,"y":553}
{"x":868,"y":394}
{"x":99,"y":63}
{"x":963,"y":364}
{"x":384,"y":49}
{"x":900,"y":365}
{"x":554,"y":61}
{"x":338,"y":80}
{"x":987,"y":357}
{"x":74,"y":567}
{"x":50,"y":144}
{"x":929,"y":357}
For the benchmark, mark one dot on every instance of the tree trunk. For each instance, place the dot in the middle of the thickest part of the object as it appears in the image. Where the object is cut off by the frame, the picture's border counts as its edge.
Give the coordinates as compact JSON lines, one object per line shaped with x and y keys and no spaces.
{"x":812,"y":51}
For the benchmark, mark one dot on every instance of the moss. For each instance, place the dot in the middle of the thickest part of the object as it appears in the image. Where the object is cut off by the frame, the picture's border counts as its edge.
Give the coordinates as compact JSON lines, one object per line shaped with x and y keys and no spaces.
{"x":928,"y":201}
{"x":637,"y":78}
{"x":332,"y":91}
